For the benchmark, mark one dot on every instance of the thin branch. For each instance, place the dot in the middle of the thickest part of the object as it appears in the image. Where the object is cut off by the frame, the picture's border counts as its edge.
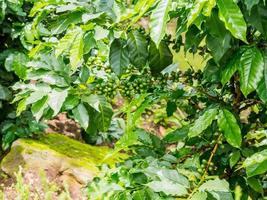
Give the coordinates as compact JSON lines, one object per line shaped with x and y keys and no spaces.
{"x":206,"y":169}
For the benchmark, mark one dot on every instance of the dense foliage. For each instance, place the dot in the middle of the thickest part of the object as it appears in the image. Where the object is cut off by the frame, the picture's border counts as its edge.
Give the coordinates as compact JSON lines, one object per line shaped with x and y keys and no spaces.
{"x":77,"y":56}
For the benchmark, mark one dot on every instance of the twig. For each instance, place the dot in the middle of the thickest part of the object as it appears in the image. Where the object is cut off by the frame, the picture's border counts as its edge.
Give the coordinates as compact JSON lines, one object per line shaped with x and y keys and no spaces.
{"x":206,"y":169}
{"x":249,"y":103}
{"x":210,"y":158}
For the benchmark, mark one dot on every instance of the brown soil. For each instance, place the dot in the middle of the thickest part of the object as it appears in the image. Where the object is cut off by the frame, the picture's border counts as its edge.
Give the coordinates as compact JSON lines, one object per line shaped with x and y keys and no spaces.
{"x":63,"y":125}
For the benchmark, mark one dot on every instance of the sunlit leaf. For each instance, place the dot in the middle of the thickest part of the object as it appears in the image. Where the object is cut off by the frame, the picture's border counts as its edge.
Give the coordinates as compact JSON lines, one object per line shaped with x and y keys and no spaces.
{"x":158,"y":21}
{"x":231,"y":15}
{"x":229,"y":126}
{"x":251,"y":71}
{"x":256,"y":164}
{"x":195,"y":11}
{"x":203,"y":122}
{"x":81,"y":115}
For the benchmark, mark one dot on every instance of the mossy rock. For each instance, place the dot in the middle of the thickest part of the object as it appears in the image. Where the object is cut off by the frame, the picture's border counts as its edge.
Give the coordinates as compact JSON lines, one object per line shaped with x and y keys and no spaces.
{"x":57,"y":155}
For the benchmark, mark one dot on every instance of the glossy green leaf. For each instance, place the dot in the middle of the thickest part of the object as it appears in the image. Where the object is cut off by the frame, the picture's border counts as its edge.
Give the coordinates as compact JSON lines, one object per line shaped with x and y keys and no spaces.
{"x":234,"y":158}
{"x":262,"y":86}
{"x":250,"y":3}
{"x":203,"y":122}
{"x":199,"y":196}
{"x":233,"y":19}
{"x":256,"y":164}
{"x":176,"y":135}
{"x":215,"y":185}
{"x":118,"y":57}
{"x":141,"y":7}
{"x":80,"y":114}
{"x":251,"y":71}
{"x":71,"y":102}
{"x":159,"y":58}
{"x":7,"y":140}
{"x":89,"y":42}
{"x":104,"y":109}
{"x":73,"y":43}
{"x":230,"y":69}
{"x":195,"y":11}
{"x":39,"y":107}
{"x":171,"y":108}
{"x":211,"y":72}
{"x":56,"y":100}
{"x":139,"y":195}
{"x":35,"y":96}
{"x":168,"y":187}
{"x":37,"y":7}
{"x":218,"y":39}
{"x":210,"y":4}
{"x":255,"y":184}
{"x":21,"y":107}
{"x":76,"y":51}
{"x":193,"y":38}
{"x":63,"y":22}
{"x":66,"y":42}
{"x":48,"y":77}
{"x":17,"y":62}
{"x":229,"y":127}
{"x":158,"y":21}
{"x":5,"y":93}
{"x":3,"y":7}
{"x":100,"y":33}
{"x":258,"y":18}
{"x":137,"y":47}
{"x":88,"y":17}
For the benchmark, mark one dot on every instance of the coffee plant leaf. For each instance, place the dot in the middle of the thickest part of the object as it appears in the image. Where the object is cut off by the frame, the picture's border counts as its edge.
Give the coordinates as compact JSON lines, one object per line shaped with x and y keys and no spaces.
{"x":262,"y":86}
{"x":203,"y":122}
{"x":234,"y":158}
{"x":137,"y":48}
{"x":231,"y":15}
{"x":199,"y":196}
{"x":251,"y":71}
{"x":208,"y":7}
{"x":230,"y":69}
{"x":249,"y":4}
{"x":229,"y":127}
{"x":56,"y":100}
{"x":81,"y":115}
{"x":158,"y":21}
{"x":195,"y":11}
{"x":118,"y":57}
{"x":256,"y":164}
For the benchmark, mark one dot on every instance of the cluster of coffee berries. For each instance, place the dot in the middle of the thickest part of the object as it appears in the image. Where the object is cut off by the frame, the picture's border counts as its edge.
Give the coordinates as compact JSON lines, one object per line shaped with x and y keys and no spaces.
{"x":108,"y":88}
{"x":191,"y":75}
{"x":95,"y":62}
{"x":210,"y":169}
{"x":177,"y":44}
{"x":135,"y":85}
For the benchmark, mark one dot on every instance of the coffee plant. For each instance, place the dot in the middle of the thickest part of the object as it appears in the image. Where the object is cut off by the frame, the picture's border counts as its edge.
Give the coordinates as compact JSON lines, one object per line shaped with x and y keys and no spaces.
{"x":79,"y":56}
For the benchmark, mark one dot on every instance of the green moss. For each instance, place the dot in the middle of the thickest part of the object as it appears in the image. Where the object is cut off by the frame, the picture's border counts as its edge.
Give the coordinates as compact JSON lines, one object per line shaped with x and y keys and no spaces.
{"x":86,"y":154}
{"x":14,"y":160}
{"x":26,"y":152}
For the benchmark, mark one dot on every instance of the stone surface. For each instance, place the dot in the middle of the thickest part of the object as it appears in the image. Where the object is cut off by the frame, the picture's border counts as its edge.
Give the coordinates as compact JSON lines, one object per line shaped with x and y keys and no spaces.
{"x":63,"y":159}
